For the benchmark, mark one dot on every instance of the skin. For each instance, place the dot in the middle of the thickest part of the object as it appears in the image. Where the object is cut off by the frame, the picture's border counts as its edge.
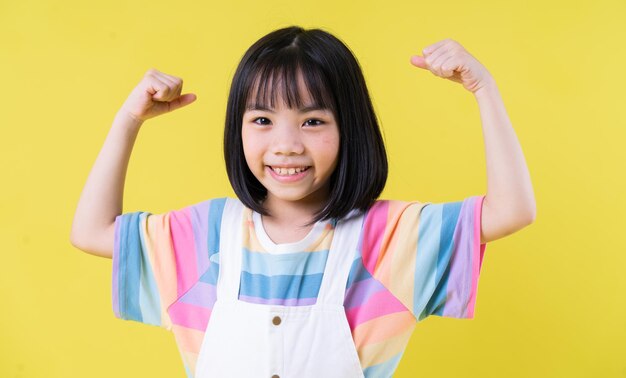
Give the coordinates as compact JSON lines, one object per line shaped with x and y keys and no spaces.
{"x":509,"y":204}
{"x":508,"y":207}
{"x":93,"y":227}
{"x":285,"y":136}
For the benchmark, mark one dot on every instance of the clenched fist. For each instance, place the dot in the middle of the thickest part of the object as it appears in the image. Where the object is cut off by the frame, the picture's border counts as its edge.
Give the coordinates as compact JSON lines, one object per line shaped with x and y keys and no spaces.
{"x":157,"y":93}
{"x":449,"y":60}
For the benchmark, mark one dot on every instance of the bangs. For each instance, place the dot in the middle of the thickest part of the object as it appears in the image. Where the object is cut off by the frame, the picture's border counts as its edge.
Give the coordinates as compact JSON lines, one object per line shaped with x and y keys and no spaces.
{"x":287,"y":77}
{"x":303,"y":68}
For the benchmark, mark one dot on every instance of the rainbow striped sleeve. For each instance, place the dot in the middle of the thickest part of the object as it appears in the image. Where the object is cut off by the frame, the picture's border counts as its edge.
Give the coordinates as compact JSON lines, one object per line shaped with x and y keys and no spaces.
{"x":156,"y":259}
{"x":427,"y":255}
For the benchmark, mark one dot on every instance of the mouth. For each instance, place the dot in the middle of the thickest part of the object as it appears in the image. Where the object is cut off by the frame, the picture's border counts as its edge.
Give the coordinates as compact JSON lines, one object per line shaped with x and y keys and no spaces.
{"x":288,"y":171}
{"x":288,"y":175}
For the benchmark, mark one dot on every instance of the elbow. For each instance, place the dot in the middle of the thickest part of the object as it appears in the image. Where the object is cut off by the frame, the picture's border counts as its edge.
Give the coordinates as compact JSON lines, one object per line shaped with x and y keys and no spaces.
{"x":530,"y":216}
{"x":74,"y":235}
{"x":76,"y":243}
{"x":78,"y":240}
{"x":73,"y":239}
{"x":533,"y":213}
{"x":522,"y":218}
{"x":95,"y":243}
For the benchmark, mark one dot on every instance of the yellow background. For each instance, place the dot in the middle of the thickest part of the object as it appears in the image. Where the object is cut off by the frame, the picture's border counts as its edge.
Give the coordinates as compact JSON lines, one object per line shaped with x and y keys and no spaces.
{"x":552,"y":297}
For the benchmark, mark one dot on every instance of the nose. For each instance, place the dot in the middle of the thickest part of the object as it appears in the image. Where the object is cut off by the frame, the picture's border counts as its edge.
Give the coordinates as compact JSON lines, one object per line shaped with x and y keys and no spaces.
{"x":287,"y":140}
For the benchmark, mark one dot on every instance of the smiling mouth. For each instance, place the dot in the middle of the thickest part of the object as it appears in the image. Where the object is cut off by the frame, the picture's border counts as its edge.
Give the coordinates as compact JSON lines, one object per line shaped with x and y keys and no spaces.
{"x":288,"y":171}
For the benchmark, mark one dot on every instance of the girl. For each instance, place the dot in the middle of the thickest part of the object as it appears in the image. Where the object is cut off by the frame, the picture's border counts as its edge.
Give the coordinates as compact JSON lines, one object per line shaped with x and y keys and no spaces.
{"x":306,"y":273}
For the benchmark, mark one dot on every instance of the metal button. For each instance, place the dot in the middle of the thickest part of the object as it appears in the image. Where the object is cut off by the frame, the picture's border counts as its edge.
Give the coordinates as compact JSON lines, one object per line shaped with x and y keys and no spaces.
{"x":276,"y":321}
{"x":275,"y":376}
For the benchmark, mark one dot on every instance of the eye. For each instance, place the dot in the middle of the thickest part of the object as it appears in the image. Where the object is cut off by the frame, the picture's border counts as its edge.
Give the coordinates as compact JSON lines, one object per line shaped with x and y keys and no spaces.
{"x":317,"y":122}
{"x":262,"y":120}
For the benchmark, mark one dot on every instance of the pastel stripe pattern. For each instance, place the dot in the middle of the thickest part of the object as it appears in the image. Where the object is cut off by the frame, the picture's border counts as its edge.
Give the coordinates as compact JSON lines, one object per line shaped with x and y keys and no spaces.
{"x":287,"y":279}
{"x":434,"y":246}
{"x":413,"y":260}
{"x":165,"y":269}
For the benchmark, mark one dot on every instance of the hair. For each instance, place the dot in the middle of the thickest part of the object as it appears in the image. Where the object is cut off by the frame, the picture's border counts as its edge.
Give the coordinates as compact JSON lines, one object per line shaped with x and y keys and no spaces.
{"x":334,"y":80}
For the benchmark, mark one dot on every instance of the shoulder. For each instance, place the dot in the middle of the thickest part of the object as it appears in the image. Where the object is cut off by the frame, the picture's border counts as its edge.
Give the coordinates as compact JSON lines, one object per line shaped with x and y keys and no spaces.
{"x":202,"y":214}
{"x":213,"y":205}
{"x":389,"y":209}
{"x":386,"y":217}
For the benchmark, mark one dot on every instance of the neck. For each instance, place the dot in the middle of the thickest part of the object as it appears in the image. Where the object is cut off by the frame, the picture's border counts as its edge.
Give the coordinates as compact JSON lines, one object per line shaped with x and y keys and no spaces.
{"x":290,"y":213}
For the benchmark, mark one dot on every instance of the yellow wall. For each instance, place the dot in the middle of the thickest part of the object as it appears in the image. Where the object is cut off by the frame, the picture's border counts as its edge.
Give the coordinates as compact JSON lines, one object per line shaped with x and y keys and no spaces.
{"x":551,"y":299}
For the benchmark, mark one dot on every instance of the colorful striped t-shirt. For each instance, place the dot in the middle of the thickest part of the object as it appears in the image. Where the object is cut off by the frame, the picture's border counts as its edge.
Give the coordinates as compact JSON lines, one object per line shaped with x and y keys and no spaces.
{"x":413,"y":260}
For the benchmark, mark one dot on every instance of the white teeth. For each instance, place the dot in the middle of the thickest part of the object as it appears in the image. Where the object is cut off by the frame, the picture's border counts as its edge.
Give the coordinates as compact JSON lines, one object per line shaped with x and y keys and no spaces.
{"x":288,"y":171}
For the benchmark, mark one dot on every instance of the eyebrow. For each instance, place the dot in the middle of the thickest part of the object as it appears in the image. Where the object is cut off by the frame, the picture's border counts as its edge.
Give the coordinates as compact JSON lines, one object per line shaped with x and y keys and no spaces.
{"x":304,"y":109}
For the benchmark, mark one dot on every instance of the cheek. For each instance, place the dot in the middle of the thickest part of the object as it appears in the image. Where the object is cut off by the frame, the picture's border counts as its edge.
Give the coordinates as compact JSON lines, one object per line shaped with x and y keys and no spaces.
{"x":330,"y":144}
{"x":329,"y":149}
{"x":249,"y":147}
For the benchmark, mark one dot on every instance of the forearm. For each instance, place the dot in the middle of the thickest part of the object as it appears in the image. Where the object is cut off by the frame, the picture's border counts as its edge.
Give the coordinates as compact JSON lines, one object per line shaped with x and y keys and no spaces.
{"x":509,"y":188}
{"x":102,"y":196}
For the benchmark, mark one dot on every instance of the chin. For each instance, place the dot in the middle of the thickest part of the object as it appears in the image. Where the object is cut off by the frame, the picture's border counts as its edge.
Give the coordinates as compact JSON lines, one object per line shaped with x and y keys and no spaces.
{"x":290,"y":197}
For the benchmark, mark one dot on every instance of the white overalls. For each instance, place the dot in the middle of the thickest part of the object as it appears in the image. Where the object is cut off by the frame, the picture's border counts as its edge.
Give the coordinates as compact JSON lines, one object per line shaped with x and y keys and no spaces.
{"x":246,"y":339}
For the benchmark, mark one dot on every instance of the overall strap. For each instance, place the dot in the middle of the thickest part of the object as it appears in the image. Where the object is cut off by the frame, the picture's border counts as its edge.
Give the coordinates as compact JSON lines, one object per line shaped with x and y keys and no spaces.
{"x":342,"y":252}
{"x":230,"y":251}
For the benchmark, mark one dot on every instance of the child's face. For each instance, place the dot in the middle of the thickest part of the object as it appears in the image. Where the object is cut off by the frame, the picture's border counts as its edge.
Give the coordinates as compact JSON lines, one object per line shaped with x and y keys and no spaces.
{"x":289,"y":140}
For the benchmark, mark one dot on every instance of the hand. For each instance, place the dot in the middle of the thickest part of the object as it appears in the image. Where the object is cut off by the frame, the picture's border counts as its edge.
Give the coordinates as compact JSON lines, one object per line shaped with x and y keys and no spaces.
{"x":156,"y":94}
{"x":448,"y":59}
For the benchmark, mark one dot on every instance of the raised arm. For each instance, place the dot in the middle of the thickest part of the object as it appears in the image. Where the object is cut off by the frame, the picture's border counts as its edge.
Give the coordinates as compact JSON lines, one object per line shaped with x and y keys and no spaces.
{"x":509,"y":204}
{"x":93,"y":227}
{"x":101,"y":199}
{"x":510,"y":201}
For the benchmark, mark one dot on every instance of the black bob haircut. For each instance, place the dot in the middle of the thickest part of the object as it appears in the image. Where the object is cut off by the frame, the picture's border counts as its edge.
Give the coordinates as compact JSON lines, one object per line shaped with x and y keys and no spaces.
{"x":334,"y":80}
